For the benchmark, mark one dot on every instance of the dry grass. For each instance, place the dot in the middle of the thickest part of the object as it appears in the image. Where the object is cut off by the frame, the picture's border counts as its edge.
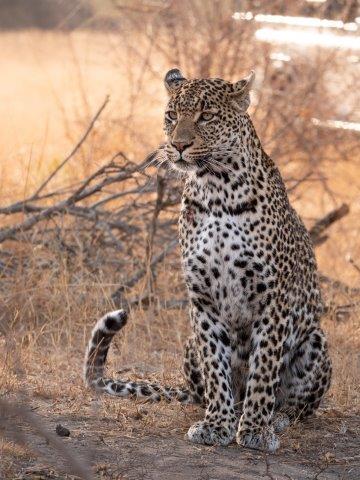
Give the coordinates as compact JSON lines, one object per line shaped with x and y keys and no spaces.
{"x":47,"y":99}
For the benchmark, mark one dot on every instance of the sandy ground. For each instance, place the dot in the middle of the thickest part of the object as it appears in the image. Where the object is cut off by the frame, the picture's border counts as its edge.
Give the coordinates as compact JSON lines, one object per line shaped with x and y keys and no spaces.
{"x":325,"y":447}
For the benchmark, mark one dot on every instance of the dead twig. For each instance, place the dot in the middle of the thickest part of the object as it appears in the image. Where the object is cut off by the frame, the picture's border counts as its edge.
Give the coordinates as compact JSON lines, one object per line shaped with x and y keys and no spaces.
{"x":22,"y":205}
{"x":160,"y":191}
{"x":74,"y":150}
{"x":316,"y":232}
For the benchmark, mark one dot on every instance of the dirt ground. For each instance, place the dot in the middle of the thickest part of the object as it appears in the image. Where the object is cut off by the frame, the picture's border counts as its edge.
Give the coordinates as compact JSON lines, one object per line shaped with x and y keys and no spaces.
{"x":325,"y":447}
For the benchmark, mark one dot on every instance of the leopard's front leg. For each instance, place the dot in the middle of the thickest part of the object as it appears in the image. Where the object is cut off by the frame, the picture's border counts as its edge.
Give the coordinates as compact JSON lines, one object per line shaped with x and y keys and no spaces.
{"x":255,"y":429}
{"x":219,"y":424}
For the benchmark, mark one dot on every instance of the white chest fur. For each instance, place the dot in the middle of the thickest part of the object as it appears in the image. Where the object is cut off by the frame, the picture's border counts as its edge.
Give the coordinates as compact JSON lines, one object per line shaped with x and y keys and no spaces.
{"x":217,"y":258}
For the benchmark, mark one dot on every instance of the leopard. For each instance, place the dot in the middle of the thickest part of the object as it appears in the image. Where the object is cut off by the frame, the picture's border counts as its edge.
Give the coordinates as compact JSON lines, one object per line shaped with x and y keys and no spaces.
{"x":257,"y":358}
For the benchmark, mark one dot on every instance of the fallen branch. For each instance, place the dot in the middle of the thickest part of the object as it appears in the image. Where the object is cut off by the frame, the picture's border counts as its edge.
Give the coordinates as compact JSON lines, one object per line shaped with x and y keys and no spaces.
{"x":80,"y":194}
{"x":317,"y":230}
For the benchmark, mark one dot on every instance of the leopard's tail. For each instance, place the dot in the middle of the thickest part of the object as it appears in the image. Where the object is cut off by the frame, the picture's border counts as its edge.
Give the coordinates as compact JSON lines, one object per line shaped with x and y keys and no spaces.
{"x":95,"y":360}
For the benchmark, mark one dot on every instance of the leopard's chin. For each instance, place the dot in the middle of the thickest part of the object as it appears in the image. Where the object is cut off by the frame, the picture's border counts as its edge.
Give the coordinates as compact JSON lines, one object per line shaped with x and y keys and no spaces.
{"x":184,"y":166}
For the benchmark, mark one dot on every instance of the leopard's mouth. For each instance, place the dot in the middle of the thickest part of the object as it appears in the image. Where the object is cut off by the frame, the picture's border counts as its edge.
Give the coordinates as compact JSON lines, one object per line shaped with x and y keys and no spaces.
{"x":180,"y":162}
{"x":185,"y":162}
{"x":183,"y":165}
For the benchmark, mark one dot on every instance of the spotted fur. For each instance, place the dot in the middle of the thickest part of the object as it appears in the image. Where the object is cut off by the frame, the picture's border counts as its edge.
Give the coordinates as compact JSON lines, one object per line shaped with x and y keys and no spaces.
{"x":257,"y":350}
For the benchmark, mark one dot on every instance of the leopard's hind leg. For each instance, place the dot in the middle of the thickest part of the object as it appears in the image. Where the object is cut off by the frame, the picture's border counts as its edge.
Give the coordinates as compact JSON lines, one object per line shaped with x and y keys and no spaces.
{"x":303,"y":381}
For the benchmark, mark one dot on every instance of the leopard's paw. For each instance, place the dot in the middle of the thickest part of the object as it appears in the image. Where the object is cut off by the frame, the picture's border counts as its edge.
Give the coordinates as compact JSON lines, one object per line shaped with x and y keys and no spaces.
{"x":264,"y":439}
{"x":207,"y":434}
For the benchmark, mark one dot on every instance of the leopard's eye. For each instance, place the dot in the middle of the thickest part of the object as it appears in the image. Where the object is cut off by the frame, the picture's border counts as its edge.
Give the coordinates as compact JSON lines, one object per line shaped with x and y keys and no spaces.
{"x":206,"y":116}
{"x":172,"y":115}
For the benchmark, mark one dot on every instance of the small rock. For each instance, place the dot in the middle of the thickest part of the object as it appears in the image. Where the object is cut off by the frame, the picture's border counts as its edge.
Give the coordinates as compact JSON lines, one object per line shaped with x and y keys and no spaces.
{"x":343,"y":428}
{"x":62,"y":431}
{"x":329,"y":457}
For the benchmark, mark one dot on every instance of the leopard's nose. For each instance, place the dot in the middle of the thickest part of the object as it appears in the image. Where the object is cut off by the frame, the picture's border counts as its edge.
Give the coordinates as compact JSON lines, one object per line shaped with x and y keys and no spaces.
{"x":181,"y":146}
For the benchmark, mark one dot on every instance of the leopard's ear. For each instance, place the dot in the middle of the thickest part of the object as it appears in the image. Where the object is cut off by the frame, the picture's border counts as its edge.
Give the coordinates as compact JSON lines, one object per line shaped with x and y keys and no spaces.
{"x":173,"y":79}
{"x":240,"y":93}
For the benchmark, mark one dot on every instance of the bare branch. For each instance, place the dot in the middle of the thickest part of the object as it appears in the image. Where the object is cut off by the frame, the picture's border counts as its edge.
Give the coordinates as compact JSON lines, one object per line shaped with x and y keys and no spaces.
{"x":316,"y":232}
{"x":74,"y":150}
{"x":80,"y":194}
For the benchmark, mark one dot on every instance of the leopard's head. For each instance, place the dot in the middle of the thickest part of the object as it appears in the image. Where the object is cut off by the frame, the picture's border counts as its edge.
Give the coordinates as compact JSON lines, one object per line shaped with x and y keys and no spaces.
{"x":203,"y":119}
